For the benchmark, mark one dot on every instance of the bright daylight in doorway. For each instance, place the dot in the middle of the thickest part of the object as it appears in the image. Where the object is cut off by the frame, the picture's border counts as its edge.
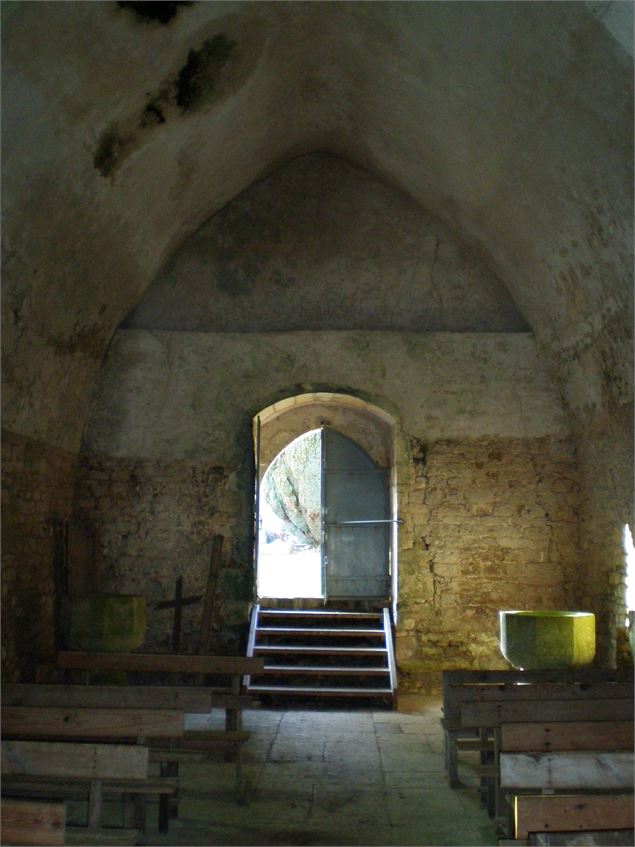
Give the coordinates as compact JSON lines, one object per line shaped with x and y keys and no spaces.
{"x":289,"y":551}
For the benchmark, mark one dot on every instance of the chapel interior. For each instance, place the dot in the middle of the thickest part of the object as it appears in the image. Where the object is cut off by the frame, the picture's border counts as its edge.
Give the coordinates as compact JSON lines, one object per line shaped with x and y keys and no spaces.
{"x":404,"y":225}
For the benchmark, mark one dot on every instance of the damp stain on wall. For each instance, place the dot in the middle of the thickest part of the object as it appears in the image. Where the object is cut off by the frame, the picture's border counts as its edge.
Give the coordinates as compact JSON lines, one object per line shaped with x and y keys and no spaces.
{"x":199,"y":78}
{"x":150,"y":12}
{"x":210,"y":72}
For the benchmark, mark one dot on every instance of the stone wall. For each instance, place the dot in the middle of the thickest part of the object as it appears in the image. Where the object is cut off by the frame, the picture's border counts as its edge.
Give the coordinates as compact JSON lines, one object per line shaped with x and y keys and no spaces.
{"x":606,"y":506}
{"x":37,"y":486}
{"x":489,"y":524}
{"x":486,"y":475}
{"x":156,"y":519}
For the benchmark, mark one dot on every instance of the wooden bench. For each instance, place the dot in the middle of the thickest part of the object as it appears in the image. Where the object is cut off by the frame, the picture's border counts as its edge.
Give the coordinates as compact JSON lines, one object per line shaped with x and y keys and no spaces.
{"x":232,"y":667}
{"x":185,"y":699}
{"x":475,"y":702}
{"x":583,"y":771}
{"x":106,"y":727}
{"x":62,"y":769}
{"x":25,"y":822}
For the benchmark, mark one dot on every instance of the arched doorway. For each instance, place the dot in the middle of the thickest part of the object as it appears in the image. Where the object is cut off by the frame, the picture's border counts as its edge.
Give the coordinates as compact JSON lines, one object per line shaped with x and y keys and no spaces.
{"x":335,"y":500}
{"x":345,"y":533}
{"x":324,"y":522}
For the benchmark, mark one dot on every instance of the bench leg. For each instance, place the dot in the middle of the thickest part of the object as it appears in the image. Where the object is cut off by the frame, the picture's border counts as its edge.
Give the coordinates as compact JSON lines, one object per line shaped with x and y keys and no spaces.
{"x":164,"y":812}
{"x":168,"y":809}
{"x":501,"y":808}
{"x":139,"y":812}
{"x":232,"y":723}
{"x":451,"y":761}
{"x":95,"y":803}
{"x":240,"y":786}
{"x":486,"y":758}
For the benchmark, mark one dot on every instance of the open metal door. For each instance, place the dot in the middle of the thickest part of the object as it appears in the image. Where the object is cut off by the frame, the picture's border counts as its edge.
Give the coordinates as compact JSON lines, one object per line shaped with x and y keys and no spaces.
{"x":356,"y":522}
{"x":256,"y":534}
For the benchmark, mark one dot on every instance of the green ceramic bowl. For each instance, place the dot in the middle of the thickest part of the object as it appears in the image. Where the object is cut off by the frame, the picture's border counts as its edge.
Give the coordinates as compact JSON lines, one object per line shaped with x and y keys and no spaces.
{"x":104,"y":622}
{"x":542,"y":640}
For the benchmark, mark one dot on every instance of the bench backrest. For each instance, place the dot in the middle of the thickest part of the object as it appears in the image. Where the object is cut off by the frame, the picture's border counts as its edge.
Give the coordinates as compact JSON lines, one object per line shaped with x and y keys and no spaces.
{"x":577,"y":770}
{"x":496,"y":713}
{"x":570,"y":735}
{"x":30,"y":822}
{"x":461,"y":687}
{"x":571,"y":755}
{"x":55,"y":722}
{"x":161,"y":663}
{"x":196,"y":699}
{"x":74,"y":760}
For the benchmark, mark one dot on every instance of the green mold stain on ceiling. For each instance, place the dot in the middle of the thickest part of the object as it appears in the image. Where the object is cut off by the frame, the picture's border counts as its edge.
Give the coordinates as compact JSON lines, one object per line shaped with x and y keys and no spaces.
{"x":198,"y":80}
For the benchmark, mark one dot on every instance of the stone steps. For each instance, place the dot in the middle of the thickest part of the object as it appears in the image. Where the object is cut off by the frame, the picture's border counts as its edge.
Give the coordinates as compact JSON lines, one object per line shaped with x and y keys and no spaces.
{"x":322,"y":653}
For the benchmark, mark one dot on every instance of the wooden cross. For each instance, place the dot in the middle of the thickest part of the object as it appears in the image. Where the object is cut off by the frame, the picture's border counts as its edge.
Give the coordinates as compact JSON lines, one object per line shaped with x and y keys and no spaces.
{"x":177,"y":604}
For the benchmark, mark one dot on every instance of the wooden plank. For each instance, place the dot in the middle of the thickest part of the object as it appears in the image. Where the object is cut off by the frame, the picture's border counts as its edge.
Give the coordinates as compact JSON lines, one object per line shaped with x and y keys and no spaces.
{"x":571,"y":735}
{"x":31,"y":823}
{"x":215,"y":735}
{"x":83,"y":558}
{"x":599,"y":838}
{"x":160,"y":663}
{"x":581,"y":675}
{"x":210,"y":595}
{"x":73,"y":760}
{"x":65,"y":788}
{"x":102,"y":837}
{"x":497,"y":713}
{"x":456,"y":695}
{"x":198,"y":699}
{"x":579,"y":770}
{"x":558,"y":812}
{"x":43,"y":721}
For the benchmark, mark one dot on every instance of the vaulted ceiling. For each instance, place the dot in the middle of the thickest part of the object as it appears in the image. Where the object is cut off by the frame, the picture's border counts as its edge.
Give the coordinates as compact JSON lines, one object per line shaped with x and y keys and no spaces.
{"x":510,"y":123}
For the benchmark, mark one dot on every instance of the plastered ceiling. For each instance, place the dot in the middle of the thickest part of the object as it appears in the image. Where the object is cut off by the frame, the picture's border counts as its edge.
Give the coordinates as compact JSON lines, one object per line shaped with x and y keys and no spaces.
{"x":511,"y":123}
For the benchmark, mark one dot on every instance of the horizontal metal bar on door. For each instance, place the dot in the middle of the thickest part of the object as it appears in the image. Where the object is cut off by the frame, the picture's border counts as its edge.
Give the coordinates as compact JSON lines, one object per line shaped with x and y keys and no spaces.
{"x":361,"y":523}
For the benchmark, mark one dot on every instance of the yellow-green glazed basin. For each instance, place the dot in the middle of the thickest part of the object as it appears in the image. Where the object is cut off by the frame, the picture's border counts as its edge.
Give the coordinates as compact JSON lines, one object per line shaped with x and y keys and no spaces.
{"x":542,"y":640}
{"x":104,"y":622}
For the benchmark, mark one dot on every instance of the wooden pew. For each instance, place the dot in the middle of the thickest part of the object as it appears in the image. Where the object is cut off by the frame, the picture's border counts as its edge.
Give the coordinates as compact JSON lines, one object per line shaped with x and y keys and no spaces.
{"x":233,"y":667}
{"x":51,"y":768}
{"x":177,"y":700}
{"x":25,"y":822}
{"x":474,"y":702}
{"x":572,"y":761}
{"x":102,"y":725}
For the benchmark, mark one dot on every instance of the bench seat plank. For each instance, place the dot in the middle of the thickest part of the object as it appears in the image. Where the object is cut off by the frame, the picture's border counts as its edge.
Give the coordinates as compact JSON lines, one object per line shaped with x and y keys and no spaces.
{"x":31,"y":823}
{"x":573,"y":770}
{"x":102,"y":837}
{"x":565,"y":812}
{"x":456,"y":695}
{"x":68,"y":788}
{"x":42,"y":721}
{"x":578,"y":735}
{"x":160,"y":663}
{"x":80,"y":761}
{"x":197,"y":699}
{"x":491,"y":677}
{"x":497,"y":713}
